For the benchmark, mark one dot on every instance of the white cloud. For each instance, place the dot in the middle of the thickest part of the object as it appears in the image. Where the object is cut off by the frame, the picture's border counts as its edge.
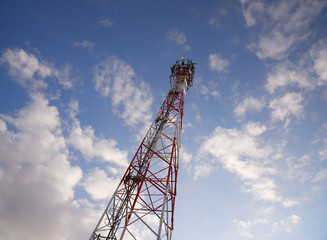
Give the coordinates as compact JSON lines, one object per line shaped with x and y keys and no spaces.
{"x":218,"y":63}
{"x":85,"y":44}
{"x":297,"y":168}
{"x":251,"y":12}
{"x":307,"y":74}
{"x":241,"y":153}
{"x":295,"y":219}
{"x":214,"y":22}
{"x":244,"y":228}
{"x":203,"y":169}
{"x":99,"y":185}
{"x":105,"y":22}
{"x":323,"y":151}
{"x":237,"y":151}
{"x":26,"y":68}
{"x":254,"y":128}
{"x":185,"y":157}
{"x":244,"y":224}
{"x":249,"y":104}
{"x":287,"y":224}
{"x":247,"y":227}
{"x":263,"y":189}
{"x":287,"y":75}
{"x":275,"y":45}
{"x":282,"y":24}
{"x":204,"y":90}
{"x":30,"y":72}
{"x":209,"y":89}
{"x":178,"y":38}
{"x":290,"y":203}
{"x":246,"y":234}
{"x":37,"y":180}
{"x":63,"y":76}
{"x":194,"y":108}
{"x":91,"y":146}
{"x":282,"y":108}
{"x":319,"y":55}
{"x":320,"y":176}
{"x":131,"y":99}
{"x":38,"y":125}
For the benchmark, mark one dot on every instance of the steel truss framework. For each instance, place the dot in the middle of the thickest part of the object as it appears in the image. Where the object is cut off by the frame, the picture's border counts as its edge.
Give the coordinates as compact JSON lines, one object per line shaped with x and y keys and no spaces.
{"x":143,"y":205}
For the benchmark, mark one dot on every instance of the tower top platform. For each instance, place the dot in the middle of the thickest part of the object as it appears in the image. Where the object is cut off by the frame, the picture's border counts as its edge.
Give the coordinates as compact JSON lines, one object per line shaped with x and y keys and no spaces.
{"x":182,"y":71}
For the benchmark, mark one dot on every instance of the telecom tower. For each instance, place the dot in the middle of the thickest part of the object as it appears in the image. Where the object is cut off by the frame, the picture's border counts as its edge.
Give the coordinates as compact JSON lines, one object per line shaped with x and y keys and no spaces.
{"x":142,"y":206}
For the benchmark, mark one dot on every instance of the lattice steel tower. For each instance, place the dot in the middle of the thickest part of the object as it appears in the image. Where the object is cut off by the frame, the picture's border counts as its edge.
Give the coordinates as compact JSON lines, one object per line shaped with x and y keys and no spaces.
{"x":142,"y":206}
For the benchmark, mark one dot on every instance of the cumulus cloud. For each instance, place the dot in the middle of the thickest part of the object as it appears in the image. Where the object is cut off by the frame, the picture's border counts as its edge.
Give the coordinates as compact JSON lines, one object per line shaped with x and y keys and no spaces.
{"x":131,"y":99}
{"x":295,"y":219}
{"x":320,"y":176}
{"x":185,"y":156}
{"x":286,"y":224}
{"x":39,"y":125}
{"x":307,"y":74}
{"x":247,"y":227}
{"x":263,"y":189}
{"x":178,"y":37}
{"x":37,"y":180}
{"x":91,"y":146}
{"x":214,"y":22}
{"x":249,"y":104}
{"x":99,"y":185}
{"x":64,"y":76}
{"x":275,"y":45}
{"x":203,"y":169}
{"x":105,"y":22}
{"x":242,"y":153}
{"x":26,"y":68}
{"x":209,"y":89}
{"x":254,"y":128}
{"x":323,"y":150}
{"x":229,"y":146}
{"x":31,"y":72}
{"x":297,"y":168}
{"x":85,"y":44}
{"x":218,"y":63}
{"x":281,"y":24}
{"x":289,"y":104}
{"x":251,"y":10}
{"x":286,"y":74}
{"x":319,"y":55}
{"x":290,"y":203}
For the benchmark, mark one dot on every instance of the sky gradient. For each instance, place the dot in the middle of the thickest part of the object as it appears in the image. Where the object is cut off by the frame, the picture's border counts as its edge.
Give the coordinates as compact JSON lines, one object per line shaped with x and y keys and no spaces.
{"x":81,"y":81}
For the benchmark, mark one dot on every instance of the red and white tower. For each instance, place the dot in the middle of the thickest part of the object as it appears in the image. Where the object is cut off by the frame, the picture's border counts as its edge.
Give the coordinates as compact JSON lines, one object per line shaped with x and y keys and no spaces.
{"x":143,"y":205}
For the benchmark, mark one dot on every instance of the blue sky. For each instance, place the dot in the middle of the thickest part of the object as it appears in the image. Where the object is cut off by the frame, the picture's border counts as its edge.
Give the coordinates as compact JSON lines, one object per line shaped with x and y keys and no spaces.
{"x":81,"y":81}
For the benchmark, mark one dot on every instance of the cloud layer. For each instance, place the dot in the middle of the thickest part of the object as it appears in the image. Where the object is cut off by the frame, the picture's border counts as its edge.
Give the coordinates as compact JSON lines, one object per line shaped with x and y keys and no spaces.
{"x":39,"y":173}
{"x":30,"y":72}
{"x":37,"y":179}
{"x":282,"y":24}
{"x":131,"y":99}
